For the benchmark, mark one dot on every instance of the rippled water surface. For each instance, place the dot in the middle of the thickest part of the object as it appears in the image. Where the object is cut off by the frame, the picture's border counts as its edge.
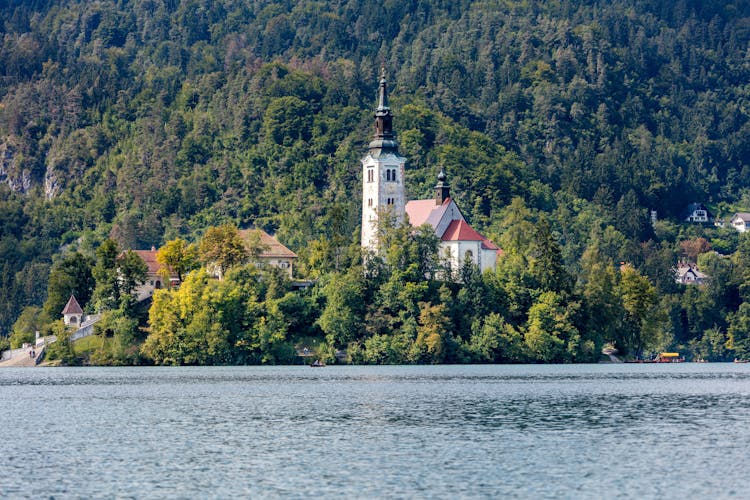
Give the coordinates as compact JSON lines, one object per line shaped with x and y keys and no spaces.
{"x":583,"y":431}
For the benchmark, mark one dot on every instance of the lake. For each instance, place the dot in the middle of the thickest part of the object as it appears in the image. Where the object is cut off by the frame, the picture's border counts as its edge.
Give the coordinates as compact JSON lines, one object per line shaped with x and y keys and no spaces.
{"x":541,"y":431}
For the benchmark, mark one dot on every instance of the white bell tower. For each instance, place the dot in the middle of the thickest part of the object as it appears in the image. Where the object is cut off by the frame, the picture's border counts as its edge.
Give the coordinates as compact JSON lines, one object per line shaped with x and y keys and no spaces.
{"x":383,"y":193}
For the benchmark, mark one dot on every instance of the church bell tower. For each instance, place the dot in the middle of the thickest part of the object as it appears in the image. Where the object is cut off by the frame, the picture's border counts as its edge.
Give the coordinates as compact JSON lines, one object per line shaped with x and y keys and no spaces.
{"x":383,"y":194}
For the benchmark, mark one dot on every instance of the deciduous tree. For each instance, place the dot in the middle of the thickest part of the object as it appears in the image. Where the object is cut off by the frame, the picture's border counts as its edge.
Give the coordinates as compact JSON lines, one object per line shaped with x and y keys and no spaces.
{"x":179,"y":256}
{"x":550,"y":333}
{"x":642,"y":321}
{"x":223,"y":247}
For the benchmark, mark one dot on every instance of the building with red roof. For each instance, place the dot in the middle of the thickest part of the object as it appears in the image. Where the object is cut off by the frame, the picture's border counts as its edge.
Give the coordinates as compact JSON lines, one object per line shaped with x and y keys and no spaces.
{"x":459,"y":242}
{"x":383,"y":194}
{"x":155,"y":276}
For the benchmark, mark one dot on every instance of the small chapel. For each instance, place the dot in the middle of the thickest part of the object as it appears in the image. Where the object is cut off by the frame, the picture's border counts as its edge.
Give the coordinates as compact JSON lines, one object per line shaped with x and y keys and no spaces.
{"x":384,"y":193}
{"x":72,"y":313}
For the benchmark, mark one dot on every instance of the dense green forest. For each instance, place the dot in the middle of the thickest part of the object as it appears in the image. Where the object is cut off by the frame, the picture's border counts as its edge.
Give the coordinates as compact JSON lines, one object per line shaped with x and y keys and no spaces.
{"x":128,"y":124}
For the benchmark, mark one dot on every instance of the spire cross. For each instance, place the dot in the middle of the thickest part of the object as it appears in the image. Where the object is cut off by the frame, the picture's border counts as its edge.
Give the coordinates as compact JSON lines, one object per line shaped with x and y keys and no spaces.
{"x":384,"y":140}
{"x":383,"y":92}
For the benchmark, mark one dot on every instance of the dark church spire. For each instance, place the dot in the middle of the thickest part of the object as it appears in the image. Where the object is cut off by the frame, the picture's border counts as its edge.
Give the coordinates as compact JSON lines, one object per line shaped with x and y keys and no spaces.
{"x":384,"y":141}
{"x":442,"y":189}
{"x":383,"y":92}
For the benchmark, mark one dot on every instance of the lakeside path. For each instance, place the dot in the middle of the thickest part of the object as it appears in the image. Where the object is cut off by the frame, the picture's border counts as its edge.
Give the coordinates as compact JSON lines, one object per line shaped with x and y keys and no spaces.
{"x":22,"y":359}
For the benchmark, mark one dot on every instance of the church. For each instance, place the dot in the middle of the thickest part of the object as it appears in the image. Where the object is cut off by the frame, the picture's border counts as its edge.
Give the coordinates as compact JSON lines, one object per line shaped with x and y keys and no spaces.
{"x":384,"y":193}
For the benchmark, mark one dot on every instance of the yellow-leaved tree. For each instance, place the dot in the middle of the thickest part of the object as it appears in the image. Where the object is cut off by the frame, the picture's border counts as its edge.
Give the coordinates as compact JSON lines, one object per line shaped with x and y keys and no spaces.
{"x":177,"y":256}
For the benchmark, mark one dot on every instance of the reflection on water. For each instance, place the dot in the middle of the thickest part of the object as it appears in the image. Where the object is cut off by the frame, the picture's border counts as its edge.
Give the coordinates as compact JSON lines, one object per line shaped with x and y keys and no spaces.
{"x":588,"y":431}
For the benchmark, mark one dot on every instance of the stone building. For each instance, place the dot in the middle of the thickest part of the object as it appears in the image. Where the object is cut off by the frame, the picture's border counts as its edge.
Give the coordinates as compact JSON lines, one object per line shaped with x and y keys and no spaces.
{"x":384,"y":195}
{"x":72,"y":313}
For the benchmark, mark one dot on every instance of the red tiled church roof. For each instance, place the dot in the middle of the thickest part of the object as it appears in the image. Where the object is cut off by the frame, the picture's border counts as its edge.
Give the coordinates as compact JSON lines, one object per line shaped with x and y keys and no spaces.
{"x":425,"y":211}
{"x":428,"y":212}
{"x":460,"y":230}
{"x":72,"y":307}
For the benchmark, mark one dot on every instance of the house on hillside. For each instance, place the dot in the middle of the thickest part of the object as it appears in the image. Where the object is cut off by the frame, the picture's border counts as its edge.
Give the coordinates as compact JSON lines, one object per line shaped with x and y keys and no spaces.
{"x":687,"y":274}
{"x":740,"y":221}
{"x":264,"y":250}
{"x":269,"y":251}
{"x":696,"y":212}
{"x":154,"y":275}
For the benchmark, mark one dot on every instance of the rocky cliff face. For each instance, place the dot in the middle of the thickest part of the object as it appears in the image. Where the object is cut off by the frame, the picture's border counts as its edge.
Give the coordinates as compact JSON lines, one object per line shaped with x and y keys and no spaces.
{"x":11,"y":173}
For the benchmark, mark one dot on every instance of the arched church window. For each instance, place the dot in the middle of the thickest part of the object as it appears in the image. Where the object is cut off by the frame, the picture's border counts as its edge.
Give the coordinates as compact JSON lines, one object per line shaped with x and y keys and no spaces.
{"x":369,"y":202}
{"x":370,"y":175}
{"x":390,"y":174}
{"x":469,"y":255}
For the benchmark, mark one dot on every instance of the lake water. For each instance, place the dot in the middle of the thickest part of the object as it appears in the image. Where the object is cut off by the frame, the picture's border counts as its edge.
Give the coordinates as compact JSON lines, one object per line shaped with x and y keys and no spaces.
{"x":575,"y":431}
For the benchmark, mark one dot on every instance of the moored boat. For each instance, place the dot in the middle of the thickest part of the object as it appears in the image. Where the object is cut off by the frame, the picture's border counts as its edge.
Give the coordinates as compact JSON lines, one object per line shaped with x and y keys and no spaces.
{"x":664,"y":357}
{"x":669,"y":357}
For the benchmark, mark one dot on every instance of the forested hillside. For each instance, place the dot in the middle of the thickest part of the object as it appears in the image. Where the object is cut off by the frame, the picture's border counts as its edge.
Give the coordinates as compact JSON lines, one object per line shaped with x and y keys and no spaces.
{"x":561,"y":125}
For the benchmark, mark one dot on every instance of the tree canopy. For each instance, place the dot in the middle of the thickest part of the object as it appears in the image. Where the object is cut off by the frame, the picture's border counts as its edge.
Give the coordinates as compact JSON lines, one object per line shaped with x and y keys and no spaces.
{"x":563,"y":127}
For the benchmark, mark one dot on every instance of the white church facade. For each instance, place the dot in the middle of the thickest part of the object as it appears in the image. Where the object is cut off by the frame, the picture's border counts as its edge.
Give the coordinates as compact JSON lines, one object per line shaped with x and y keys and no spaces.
{"x":384,"y":194}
